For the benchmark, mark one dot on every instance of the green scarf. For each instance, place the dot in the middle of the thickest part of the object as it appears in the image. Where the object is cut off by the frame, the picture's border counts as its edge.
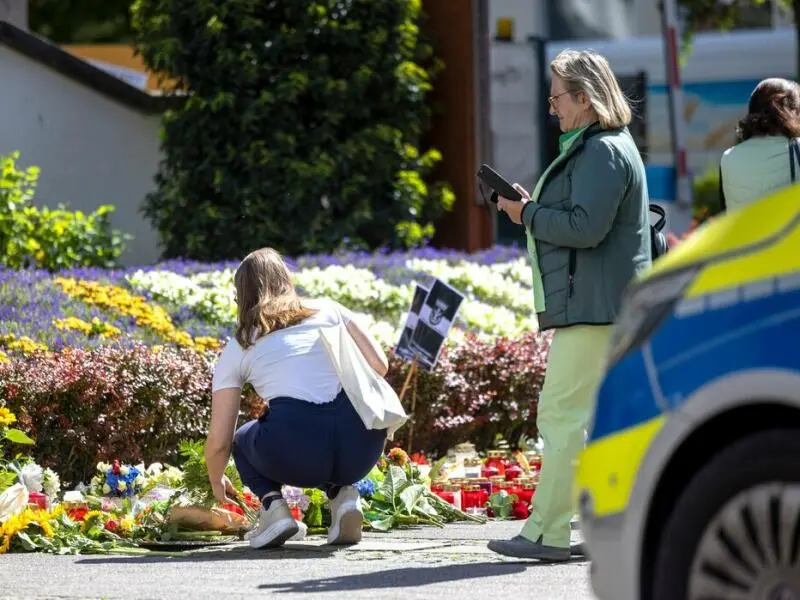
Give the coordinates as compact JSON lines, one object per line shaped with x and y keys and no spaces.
{"x":564,"y":144}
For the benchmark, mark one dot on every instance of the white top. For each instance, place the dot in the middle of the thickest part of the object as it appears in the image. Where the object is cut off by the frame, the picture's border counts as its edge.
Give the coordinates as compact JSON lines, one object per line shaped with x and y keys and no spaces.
{"x":754,"y":169}
{"x":289,"y":362}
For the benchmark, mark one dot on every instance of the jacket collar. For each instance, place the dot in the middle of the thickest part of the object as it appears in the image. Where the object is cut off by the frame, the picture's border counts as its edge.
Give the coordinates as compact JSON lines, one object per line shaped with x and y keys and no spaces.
{"x":591,"y":131}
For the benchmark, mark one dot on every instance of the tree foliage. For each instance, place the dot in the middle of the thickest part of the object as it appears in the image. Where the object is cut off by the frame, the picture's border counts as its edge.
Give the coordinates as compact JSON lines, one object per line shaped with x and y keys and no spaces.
{"x":302,"y":126}
{"x":81,"y":21}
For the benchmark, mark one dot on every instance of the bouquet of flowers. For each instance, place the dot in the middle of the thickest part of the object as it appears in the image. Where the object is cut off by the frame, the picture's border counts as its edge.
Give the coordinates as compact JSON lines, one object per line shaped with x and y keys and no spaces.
{"x":117,"y":480}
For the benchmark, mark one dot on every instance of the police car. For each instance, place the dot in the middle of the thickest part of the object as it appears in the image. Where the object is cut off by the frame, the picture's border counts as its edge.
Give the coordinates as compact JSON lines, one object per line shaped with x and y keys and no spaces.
{"x":689,"y":485}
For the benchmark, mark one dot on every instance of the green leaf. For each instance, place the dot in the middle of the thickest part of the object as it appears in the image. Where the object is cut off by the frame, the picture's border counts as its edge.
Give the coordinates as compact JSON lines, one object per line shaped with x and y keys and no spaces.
{"x":410,"y":497}
{"x":394,"y":483}
{"x":383,"y":524}
{"x":27,"y":543}
{"x":18,"y":437}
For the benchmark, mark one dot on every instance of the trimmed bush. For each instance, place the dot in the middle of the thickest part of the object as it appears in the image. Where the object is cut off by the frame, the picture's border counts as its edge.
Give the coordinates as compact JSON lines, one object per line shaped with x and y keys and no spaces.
{"x":302,"y":126}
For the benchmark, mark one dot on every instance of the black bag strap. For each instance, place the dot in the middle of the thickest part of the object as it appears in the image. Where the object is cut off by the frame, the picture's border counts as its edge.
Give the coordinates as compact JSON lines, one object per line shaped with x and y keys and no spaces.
{"x":662,"y":216}
{"x":794,"y":153}
{"x":722,"y":203}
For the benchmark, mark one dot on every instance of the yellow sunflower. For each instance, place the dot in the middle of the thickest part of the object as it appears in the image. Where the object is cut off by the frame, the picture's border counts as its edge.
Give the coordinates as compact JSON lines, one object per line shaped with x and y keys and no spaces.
{"x":6,"y":417}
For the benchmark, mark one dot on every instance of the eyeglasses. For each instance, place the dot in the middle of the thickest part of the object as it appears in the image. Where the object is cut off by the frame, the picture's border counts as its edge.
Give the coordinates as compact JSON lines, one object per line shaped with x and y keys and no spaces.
{"x":552,"y":99}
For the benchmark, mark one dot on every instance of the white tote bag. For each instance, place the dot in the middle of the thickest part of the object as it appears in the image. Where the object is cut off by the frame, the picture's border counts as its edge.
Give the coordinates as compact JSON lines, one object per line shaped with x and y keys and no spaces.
{"x":373,"y":398}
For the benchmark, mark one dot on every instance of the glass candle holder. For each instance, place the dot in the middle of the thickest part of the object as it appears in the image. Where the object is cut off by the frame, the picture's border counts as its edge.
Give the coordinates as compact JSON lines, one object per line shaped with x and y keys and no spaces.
{"x":513,"y":472}
{"x":472,"y":468}
{"x":495,"y":458}
{"x":526,"y":495}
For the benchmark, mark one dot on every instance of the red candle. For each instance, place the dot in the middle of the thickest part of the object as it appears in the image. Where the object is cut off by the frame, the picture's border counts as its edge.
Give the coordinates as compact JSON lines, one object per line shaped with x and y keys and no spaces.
{"x":38,"y":500}
{"x":513,"y":472}
{"x":495,"y":459}
{"x":526,"y":493}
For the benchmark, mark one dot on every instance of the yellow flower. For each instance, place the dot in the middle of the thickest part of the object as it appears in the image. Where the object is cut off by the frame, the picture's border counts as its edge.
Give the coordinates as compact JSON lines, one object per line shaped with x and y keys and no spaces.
{"x":23,"y":344}
{"x":3,"y":357}
{"x":91,"y":518}
{"x":114,"y":298}
{"x":96,"y":327}
{"x":126,"y":525}
{"x":6,"y":417}
{"x":205,"y":343}
{"x":20,"y":523}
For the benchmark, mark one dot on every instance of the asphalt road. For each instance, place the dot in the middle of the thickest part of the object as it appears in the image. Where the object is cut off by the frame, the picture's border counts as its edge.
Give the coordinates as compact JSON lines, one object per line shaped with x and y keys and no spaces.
{"x":425,"y":563}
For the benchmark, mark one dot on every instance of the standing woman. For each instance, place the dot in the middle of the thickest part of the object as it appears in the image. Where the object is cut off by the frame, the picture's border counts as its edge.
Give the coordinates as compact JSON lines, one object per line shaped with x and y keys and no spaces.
{"x":588,"y":235}
{"x":761,"y":162}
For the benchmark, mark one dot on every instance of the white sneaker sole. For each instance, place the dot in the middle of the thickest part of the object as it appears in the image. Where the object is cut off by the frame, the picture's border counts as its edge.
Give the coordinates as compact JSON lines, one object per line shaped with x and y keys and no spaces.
{"x":348,"y":529}
{"x":275,"y":535}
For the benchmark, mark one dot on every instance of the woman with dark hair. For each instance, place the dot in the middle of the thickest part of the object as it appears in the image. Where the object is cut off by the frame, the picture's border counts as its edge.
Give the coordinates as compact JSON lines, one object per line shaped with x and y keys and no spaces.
{"x":762,"y":161}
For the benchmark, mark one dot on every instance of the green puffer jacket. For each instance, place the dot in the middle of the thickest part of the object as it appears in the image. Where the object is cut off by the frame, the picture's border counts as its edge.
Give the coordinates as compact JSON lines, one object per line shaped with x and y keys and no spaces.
{"x":592,"y":230}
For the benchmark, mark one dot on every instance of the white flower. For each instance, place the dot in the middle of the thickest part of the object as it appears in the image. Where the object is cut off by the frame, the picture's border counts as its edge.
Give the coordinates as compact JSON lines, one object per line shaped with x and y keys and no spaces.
{"x":106,"y":488}
{"x":103,"y":467}
{"x":51,"y":483}
{"x":155,"y":468}
{"x":122,"y":486}
{"x":32,"y":476}
{"x":13,"y":501}
{"x":139,"y":480}
{"x":123,"y":470}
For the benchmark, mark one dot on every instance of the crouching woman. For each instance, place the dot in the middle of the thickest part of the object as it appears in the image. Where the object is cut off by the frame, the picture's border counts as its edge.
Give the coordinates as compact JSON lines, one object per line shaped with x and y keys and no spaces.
{"x":311,"y":436}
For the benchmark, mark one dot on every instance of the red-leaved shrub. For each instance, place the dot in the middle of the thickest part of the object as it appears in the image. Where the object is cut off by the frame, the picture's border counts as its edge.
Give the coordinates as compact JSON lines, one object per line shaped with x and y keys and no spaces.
{"x":137,"y":404}
{"x":477,"y":391}
{"x":84,"y":406}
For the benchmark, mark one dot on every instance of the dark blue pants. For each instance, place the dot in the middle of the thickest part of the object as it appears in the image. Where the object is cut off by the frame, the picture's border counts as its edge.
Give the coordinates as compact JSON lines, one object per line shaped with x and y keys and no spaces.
{"x":301,"y":444}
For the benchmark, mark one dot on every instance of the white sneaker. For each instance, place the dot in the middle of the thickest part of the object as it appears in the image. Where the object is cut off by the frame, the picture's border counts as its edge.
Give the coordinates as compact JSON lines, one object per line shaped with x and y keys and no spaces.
{"x":346,"y":517}
{"x":275,"y":526}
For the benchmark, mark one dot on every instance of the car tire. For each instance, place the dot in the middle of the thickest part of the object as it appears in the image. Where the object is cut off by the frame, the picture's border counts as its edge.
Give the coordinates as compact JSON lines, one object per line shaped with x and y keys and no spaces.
{"x":712,"y":523}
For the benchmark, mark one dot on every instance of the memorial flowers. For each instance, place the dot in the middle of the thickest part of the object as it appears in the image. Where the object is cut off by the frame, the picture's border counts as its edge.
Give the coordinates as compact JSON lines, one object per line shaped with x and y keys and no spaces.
{"x":117,"y":480}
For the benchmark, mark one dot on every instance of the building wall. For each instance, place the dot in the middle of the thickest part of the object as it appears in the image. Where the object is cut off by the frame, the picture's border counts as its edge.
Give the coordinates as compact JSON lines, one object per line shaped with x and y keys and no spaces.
{"x":91,"y":150}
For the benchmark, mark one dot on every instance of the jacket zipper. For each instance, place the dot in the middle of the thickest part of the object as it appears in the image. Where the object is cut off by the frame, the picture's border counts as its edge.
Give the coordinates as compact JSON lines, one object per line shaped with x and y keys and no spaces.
{"x":571,"y":272}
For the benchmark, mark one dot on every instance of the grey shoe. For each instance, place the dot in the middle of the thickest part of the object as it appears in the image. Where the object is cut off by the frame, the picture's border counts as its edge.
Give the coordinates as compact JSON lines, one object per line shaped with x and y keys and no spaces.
{"x":275,"y":526}
{"x":520,"y":547}
{"x":346,"y":517}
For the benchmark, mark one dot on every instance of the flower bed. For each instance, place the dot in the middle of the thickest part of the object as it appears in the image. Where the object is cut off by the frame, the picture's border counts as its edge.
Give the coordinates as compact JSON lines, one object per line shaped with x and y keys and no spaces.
{"x":118,"y":362}
{"x":181,"y":301}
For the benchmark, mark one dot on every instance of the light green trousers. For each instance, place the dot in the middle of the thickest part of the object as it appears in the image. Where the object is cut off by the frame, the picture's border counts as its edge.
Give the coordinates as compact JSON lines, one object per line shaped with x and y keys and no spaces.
{"x":574,"y":368}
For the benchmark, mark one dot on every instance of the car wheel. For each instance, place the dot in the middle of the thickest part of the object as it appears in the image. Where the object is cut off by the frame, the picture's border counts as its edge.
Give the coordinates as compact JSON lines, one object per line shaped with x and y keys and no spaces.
{"x":734,"y":533}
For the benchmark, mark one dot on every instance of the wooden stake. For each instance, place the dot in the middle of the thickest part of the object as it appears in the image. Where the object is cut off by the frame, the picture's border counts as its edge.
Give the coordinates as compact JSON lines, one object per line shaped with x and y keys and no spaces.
{"x":413,"y":408}
{"x":411,"y":371}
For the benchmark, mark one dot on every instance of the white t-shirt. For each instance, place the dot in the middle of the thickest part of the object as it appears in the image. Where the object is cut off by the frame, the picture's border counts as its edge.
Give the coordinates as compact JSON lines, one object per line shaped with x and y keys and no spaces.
{"x":288,"y":362}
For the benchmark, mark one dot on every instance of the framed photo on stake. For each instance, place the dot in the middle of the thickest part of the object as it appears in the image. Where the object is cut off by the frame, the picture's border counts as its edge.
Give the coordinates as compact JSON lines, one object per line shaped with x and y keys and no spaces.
{"x":403,"y":348}
{"x":435,"y":320}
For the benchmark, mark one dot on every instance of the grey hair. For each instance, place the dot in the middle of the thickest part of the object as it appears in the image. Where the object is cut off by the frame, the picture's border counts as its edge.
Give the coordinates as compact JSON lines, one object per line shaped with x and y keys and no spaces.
{"x":589,"y":72}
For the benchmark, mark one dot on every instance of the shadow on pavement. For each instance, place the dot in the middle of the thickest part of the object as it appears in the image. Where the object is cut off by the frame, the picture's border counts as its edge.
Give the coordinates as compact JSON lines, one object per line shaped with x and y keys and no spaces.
{"x":236,"y":553}
{"x":398,"y":578}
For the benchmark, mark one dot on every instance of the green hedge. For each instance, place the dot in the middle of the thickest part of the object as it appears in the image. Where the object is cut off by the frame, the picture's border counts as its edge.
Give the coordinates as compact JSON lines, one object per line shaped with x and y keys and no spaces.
{"x":302,"y":127}
{"x":47,"y":238}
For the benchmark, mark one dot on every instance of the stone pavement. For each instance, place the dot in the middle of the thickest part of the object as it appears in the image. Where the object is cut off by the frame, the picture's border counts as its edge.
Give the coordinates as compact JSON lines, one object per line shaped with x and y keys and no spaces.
{"x":423,"y":563}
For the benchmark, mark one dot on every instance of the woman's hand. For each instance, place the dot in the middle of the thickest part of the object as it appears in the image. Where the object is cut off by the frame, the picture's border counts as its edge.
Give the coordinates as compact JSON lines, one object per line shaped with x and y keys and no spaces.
{"x":223,"y":490}
{"x":513,"y":208}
